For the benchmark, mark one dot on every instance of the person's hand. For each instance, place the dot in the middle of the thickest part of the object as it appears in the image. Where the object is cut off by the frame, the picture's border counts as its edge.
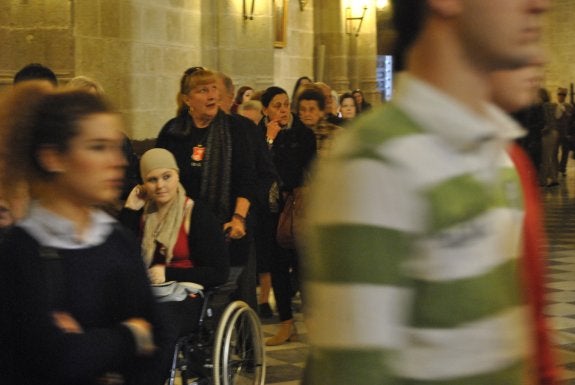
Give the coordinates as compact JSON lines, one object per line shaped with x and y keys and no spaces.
{"x":142,"y":331}
{"x":236,"y":228}
{"x":157,"y":274}
{"x":111,"y":378}
{"x":273,"y":128}
{"x":65,"y":322}
{"x":137,"y":198}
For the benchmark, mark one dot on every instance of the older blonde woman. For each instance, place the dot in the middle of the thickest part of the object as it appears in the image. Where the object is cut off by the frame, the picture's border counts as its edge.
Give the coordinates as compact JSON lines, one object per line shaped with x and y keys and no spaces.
{"x":216,"y":166}
{"x":209,"y":147}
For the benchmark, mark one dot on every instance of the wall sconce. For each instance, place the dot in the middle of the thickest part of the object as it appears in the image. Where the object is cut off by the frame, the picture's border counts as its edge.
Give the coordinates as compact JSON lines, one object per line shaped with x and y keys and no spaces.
{"x":251,"y":15}
{"x":381,"y":4}
{"x":302,"y":4}
{"x":349,"y":19}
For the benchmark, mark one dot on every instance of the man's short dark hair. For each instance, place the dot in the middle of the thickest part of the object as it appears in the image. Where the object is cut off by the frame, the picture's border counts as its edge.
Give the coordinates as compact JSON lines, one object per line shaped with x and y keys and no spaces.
{"x":311,"y":94}
{"x":408,"y":19}
{"x":36,"y":71}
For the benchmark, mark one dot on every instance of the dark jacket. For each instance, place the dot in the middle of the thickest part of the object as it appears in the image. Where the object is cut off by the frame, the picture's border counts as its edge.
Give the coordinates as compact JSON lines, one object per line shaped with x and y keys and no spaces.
{"x":292,"y":151}
{"x":266,"y":173}
{"x":207,"y":246}
{"x":100,"y":286}
{"x":175,"y":137}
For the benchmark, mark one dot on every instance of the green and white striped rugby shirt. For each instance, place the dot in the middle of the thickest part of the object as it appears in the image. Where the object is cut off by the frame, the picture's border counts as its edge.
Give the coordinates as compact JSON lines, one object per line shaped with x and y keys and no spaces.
{"x":412,"y":247}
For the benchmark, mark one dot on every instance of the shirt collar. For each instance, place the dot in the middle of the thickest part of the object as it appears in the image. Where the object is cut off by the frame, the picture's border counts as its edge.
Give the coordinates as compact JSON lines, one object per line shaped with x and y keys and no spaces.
{"x":443,"y":115}
{"x":52,"y":230}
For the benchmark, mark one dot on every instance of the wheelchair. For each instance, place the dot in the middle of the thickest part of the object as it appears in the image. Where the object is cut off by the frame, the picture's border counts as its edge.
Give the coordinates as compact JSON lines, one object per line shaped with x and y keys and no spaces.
{"x":225,"y":349}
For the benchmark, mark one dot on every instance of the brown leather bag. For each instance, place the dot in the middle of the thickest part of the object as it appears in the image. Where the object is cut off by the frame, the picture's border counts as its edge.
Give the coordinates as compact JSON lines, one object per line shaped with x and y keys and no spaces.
{"x":290,"y":220}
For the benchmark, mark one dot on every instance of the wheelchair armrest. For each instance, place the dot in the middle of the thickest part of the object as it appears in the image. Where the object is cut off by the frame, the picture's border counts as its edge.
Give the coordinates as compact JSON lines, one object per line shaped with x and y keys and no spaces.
{"x":192,"y":286}
{"x":176,"y":291}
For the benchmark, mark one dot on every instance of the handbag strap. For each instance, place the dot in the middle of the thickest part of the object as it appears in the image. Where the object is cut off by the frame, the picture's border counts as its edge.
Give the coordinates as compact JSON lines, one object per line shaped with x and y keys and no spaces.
{"x":53,"y":273}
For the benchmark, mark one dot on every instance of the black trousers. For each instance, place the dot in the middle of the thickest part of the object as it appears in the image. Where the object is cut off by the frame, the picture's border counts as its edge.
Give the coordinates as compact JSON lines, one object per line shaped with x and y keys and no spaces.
{"x":242,"y":253}
{"x":180,"y":319}
{"x":283,"y":264}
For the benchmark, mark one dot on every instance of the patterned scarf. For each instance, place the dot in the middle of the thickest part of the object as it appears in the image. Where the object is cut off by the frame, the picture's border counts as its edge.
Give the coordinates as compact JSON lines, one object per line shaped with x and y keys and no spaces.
{"x":162,"y":232}
{"x":217,"y":168}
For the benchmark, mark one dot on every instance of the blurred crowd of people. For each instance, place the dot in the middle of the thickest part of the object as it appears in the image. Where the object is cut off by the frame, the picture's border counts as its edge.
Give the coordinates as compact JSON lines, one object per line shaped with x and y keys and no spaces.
{"x":422,"y":239}
{"x":550,"y":139}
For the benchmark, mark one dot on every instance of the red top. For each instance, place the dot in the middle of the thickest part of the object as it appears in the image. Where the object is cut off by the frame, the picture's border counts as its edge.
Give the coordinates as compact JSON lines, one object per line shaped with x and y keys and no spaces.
{"x":534,"y":255}
{"x":181,"y":253}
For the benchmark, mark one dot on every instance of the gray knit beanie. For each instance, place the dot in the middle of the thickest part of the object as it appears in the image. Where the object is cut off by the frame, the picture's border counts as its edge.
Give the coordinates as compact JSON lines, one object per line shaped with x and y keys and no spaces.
{"x":157,"y":158}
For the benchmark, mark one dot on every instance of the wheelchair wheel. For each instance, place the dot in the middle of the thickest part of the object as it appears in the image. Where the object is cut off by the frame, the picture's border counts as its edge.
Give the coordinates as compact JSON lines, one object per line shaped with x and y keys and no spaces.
{"x":189,"y":366}
{"x":239,"y":357}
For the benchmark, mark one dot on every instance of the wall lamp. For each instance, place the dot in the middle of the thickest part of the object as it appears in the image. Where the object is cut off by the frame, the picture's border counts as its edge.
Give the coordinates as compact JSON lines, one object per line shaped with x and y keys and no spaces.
{"x":381,"y":4}
{"x":302,"y":4}
{"x":350,"y":19}
{"x":251,"y":14}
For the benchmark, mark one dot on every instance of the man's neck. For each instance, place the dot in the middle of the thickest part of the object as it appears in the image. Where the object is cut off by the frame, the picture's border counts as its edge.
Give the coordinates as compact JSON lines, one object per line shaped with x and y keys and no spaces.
{"x":438,"y":59}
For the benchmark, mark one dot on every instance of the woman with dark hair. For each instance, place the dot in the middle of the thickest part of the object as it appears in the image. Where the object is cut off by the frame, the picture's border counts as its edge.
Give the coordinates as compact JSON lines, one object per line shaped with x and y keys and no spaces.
{"x":348,"y":107}
{"x":293,"y":147}
{"x":244,"y":94}
{"x":76,"y":304}
{"x":360,"y":101}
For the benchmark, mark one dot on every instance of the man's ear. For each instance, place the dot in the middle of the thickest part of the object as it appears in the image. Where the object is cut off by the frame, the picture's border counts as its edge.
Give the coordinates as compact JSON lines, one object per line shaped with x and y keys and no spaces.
{"x":445,"y":8}
{"x":50,"y":159}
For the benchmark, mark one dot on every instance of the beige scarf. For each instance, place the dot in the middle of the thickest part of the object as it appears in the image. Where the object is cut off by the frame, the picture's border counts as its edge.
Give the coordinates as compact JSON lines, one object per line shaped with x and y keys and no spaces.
{"x":163,"y":232}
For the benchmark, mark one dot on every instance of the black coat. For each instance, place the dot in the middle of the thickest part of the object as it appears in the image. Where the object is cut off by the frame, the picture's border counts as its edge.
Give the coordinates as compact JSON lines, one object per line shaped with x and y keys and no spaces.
{"x":207,"y":245}
{"x":175,"y":138}
{"x":266,"y":173}
{"x":293,"y":151}
{"x":101,"y":286}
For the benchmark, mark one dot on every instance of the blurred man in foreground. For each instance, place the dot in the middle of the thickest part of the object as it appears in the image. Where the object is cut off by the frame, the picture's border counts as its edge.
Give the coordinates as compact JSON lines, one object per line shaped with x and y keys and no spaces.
{"x":415,"y":220}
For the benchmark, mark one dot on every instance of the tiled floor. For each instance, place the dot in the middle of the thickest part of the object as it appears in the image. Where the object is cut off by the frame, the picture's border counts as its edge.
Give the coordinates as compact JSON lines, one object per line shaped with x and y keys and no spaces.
{"x":285,"y":362}
{"x":560,"y":224}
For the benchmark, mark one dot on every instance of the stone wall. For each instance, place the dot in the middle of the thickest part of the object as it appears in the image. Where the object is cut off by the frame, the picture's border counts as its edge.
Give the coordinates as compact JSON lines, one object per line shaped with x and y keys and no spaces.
{"x":296,"y":59}
{"x":35,"y":31}
{"x":560,"y":44}
{"x":350,"y":57}
{"x":138,"y":49}
{"x":243,"y":48}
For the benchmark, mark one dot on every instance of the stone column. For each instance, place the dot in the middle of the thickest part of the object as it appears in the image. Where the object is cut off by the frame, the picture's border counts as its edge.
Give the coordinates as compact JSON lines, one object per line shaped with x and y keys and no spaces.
{"x":362,"y":59}
{"x":330,"y":33}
